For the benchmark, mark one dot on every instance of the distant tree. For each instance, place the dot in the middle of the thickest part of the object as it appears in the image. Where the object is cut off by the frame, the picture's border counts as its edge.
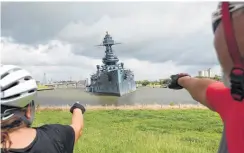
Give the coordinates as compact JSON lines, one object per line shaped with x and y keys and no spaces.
{"x":216,"y":77}
{"x":156,"y":82}
{"x":200,"y":77}
{"x":138,"y":82}
{"x":161,"y":81}
{"x":145,"y":82}
{"x":166,"y":81}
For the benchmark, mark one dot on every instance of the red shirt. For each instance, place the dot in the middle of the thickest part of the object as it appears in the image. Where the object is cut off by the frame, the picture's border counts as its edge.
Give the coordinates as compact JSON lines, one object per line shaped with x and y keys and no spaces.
{"x":232,"y":114}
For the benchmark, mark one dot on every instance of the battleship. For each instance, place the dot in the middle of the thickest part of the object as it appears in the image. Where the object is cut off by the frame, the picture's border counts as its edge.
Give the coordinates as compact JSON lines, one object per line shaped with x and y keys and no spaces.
{"x":111,"y":78}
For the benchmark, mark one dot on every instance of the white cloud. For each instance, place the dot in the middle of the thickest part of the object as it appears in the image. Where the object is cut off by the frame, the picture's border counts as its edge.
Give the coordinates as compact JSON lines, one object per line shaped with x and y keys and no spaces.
{"x":54,"y":58}
{"x":156,"y":33}
{"x":57,"y":61}
{"x":143,"y":29}
{"x":174,"y":20}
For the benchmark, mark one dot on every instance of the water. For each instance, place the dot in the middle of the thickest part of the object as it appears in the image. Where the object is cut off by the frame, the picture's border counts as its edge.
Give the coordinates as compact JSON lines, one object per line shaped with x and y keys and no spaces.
{"x":144,"y":95}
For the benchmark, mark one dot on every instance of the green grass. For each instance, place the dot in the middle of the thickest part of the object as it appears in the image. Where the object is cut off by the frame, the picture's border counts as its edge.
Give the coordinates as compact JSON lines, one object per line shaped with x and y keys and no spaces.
{"x":143,"y":131}
{"x":42,"y":87}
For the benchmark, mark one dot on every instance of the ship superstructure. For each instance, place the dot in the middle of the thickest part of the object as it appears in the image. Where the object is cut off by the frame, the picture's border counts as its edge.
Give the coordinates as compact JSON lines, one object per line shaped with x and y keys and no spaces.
{"x":111,"y":77}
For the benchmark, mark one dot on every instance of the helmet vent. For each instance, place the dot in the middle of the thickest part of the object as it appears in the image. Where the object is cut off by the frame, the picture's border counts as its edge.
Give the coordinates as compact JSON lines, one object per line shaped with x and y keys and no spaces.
{"x":10,"y":97}
{"x":10,"y":86}
{"x":4,"y":75}
{"x":7,"y":73}
{"x":18,"y":87}
{"x":31,"y":91}
{"x":27,"y":78}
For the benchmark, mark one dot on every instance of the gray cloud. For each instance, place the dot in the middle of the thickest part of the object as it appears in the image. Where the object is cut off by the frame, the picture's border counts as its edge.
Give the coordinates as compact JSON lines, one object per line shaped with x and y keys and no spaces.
{"x":157,"y":32}
{"x":43,"y":20}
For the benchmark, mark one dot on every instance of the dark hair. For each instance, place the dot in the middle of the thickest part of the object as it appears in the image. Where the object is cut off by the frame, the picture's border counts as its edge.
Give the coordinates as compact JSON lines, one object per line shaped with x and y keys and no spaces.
{"x":4,"y":139}
{"x":9,"y":126}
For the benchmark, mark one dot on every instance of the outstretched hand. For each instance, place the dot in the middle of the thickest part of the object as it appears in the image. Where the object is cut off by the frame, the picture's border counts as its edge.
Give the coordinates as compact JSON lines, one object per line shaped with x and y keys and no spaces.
{"x":174,"y":80}
{"x":78,"y":105}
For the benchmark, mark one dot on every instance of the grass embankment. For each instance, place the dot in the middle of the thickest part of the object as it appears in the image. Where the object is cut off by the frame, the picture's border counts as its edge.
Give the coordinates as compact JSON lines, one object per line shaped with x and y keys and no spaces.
{"x":143,"y":131}
{"x":43,"y":87}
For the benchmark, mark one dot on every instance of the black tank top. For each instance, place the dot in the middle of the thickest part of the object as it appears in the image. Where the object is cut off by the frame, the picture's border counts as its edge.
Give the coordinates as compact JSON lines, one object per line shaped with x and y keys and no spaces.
{"x":53,"y":138}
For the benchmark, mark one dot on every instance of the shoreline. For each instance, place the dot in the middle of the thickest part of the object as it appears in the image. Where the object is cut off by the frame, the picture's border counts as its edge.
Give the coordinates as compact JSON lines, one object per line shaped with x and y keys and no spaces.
{"x":127,"y":107}
{"x":45,"y":89}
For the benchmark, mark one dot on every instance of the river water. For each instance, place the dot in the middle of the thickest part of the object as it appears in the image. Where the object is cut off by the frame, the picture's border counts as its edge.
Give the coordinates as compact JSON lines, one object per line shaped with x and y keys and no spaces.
{"x":143,"y":95}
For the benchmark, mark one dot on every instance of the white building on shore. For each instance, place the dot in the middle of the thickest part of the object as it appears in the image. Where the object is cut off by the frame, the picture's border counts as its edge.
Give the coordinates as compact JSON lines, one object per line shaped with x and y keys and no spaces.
{"x":206,"y":73}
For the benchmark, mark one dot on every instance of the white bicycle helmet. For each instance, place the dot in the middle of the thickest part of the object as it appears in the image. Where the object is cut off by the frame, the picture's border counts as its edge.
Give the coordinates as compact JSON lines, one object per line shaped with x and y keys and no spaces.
{"x":18,"y":90}
{"x":216,"y":15}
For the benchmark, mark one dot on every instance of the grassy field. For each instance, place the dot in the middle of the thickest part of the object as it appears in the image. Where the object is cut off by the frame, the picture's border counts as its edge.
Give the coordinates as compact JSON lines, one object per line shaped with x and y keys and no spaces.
{"x":143,"y":131}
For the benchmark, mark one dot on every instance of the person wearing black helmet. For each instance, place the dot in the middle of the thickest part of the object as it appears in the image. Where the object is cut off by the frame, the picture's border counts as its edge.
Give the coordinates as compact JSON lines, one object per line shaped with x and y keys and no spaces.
{"x":18,"y":94}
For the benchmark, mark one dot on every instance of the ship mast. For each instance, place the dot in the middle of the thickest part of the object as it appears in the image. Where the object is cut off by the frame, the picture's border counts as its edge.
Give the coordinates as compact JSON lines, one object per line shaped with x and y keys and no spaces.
{"x":110,"y":58}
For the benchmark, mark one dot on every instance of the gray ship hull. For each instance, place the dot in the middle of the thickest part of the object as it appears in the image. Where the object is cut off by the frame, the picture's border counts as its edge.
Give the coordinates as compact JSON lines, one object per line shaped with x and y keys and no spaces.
{"x":114,"y":83}
{"x":111,"y":77}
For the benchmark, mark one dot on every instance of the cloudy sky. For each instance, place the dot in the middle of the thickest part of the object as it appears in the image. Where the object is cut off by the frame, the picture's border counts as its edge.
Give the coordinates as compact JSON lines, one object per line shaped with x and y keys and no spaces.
{"x":58,"y":38}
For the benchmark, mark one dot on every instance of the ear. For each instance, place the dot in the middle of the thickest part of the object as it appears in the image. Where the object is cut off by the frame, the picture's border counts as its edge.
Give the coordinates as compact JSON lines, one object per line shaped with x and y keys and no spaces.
{"x":28,"y":112}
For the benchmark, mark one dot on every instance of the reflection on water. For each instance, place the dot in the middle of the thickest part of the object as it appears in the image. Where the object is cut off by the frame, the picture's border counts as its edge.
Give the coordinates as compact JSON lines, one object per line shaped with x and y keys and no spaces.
{"x":144,"y":95}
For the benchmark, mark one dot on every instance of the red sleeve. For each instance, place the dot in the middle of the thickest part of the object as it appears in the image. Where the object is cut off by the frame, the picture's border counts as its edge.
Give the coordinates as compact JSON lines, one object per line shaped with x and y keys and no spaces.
{"x":216,"y":97}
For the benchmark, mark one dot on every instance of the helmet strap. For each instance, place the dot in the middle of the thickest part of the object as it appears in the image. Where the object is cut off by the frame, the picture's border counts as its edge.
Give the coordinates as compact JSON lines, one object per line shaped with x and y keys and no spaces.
{"x":29,"y":121}
{"x":237,"y":72}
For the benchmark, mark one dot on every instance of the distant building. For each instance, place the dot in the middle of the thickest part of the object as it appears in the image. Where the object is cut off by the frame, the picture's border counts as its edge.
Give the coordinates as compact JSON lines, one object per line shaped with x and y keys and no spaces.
{"x":199,"y":73}
{"x":203,"y":73}
{"x":210,"y":73}
{"x":206,"y":73}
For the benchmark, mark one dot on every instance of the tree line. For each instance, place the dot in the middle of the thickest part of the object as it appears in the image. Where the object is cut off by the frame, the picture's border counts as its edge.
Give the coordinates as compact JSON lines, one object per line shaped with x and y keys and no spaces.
{"x":166,"y":81}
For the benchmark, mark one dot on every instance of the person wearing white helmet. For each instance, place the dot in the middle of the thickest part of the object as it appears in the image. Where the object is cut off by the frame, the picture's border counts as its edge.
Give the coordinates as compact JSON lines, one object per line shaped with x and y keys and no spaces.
{"x":225,"y":97}
{"x":18,"y":95}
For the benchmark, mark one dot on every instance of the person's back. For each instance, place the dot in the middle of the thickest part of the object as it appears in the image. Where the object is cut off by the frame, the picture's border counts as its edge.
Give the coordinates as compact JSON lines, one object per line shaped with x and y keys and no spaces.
{"x":18,"y":93}
{"x":52,"y":138}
